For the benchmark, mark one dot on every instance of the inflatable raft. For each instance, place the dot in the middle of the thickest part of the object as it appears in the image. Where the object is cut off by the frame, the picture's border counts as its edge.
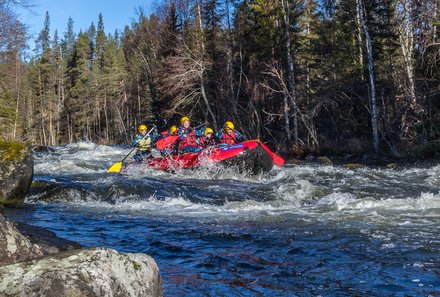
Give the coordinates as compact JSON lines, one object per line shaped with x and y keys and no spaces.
{"x":250,"y":156}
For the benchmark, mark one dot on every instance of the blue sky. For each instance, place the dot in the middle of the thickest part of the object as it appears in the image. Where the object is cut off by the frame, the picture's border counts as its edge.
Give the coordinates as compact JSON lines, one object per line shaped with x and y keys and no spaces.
{"x":116,"y":14}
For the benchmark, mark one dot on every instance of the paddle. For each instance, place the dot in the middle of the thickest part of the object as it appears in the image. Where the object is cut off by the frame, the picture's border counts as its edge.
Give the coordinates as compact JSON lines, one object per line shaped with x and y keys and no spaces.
{"x":277,"y":160}
{"x":117,"y":166}
{"x":167,"y":141}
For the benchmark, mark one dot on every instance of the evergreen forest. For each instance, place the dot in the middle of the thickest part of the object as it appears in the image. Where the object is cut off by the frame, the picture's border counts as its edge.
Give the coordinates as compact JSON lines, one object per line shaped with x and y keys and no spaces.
{"x":305,"y":76}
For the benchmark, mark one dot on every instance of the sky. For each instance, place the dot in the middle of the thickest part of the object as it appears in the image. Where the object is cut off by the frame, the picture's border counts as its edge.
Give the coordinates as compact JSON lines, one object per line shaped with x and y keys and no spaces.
{"x":116,"y":14}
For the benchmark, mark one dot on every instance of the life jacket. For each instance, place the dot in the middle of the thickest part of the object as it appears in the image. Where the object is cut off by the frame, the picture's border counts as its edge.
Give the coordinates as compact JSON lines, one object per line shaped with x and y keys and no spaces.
{"x":143,"y":144}
{"x":205,"y":142}
{"x":188,"y":137}
{"x":228,"y":139}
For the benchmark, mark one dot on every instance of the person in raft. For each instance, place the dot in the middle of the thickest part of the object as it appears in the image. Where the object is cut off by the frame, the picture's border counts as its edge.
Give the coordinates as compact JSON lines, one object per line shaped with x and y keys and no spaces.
{"x":188,"y":140}
{"x":228,"y":135}
{"x":208,"y":139}
{"x":143,"y":144}
{"x":171,"y":148}
{"x":172,"y":131}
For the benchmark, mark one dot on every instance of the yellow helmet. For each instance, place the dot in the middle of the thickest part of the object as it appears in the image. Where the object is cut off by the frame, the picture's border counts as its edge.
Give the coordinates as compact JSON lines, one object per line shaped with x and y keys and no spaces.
{"x":229,"y":126}
{"x":183,"y":119}
{"x":173,"y":129}
{"x":142,"y":127}
{"x":207,"y":131}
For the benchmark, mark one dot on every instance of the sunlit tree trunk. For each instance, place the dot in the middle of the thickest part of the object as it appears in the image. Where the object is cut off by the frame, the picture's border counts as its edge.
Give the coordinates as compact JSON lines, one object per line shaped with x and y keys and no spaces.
{"x":17,"y":90}
{"x":360,"y":43}
{"x":407,"y":45}
{"x":370,"y":62}
{"x":201,"y":47}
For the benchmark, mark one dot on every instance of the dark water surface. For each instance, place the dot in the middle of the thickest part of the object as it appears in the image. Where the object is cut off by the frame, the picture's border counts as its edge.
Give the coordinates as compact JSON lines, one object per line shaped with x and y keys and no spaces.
{"x":298,"y":231}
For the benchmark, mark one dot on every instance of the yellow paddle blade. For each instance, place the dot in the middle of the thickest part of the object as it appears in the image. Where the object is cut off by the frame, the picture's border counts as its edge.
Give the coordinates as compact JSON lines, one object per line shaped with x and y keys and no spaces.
{"x":115,"y":168}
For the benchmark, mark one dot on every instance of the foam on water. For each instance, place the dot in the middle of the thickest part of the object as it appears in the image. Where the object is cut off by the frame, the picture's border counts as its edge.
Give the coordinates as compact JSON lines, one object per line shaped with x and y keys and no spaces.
{"x":324,"y":230}
{"x":325,"y":191}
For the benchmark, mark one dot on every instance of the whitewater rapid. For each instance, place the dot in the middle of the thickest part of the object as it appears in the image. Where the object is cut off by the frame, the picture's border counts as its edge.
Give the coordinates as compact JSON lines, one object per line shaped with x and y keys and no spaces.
{"x":300,"y":230}
{"x":311,"y":192}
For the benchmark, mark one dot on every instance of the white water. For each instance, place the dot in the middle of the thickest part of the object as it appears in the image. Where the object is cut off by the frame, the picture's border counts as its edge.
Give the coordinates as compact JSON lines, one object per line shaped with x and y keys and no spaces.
{"x":327,"y":193}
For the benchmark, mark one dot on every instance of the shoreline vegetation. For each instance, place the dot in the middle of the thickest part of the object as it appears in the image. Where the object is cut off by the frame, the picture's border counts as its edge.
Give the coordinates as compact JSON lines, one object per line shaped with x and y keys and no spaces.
{"x":306,"y":77}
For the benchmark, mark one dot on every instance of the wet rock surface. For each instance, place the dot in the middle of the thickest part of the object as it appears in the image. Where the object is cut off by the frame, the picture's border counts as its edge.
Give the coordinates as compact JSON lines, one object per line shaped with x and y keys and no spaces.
{"x":14,"y":247}
{"x":90,"y":272}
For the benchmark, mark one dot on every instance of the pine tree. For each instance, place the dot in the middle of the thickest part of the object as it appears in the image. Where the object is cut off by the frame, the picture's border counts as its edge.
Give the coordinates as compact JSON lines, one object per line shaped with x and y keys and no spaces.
{"x":68,"y":41}
{"x":100,"y":42}
{"x":77,"y":104}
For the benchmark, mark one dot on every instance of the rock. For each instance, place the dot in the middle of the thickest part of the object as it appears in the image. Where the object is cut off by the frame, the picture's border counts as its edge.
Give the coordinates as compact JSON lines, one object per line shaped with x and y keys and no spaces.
{"x":392,"y":166}
{"x":91,"y":272}
{"x":324,"y":160}
{"x":352,"y":166}
{"x":48,"y":241}
{"x":16,"y":172}
{"x":15,"y":247}
{"x":294,"y":161}
{"x":42,"y":149}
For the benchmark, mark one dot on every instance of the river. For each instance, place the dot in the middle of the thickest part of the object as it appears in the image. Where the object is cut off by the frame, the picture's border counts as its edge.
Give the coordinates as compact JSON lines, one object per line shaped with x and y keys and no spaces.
{"x":303,"y":230}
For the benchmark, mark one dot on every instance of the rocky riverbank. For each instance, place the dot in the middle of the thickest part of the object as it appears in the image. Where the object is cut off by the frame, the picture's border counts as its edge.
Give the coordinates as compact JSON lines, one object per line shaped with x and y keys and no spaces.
{"x":35,"y":262}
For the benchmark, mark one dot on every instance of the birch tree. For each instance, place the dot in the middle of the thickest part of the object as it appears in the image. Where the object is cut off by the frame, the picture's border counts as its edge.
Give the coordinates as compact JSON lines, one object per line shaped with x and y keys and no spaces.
{"x":370,"y":62}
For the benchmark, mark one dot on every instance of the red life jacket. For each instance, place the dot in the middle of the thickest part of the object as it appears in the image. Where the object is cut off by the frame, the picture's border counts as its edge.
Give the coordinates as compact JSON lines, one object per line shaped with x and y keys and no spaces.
{"x":229,"y":139}
{"x":189,"y":140}
{"x":205,"y":142}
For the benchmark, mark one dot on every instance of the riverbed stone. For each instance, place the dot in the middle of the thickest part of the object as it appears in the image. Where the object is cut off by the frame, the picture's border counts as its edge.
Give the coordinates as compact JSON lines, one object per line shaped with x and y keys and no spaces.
{"x":16,"y":172}
{"x":15,"y":247}
{"x":88,"y":272}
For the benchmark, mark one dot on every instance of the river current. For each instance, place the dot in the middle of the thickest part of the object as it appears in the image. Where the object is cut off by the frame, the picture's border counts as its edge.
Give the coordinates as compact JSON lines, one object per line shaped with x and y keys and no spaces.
{"x":304,"y":230}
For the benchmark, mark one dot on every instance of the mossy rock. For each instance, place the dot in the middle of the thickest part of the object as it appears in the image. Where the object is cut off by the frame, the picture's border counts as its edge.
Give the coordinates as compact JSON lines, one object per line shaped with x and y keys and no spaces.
{"x":12,"y":151}
{"x":16,"y":172}
{"x":325,"y":160}
{"x":353,"y":166}
{"x":392,"y":166}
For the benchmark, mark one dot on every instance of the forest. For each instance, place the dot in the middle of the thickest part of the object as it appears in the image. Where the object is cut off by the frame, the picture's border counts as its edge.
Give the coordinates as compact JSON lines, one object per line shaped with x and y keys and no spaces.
{"x":305,"y":76}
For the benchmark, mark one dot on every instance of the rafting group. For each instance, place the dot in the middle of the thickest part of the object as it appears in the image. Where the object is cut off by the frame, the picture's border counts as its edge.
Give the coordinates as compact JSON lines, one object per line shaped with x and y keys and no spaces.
{"x":183,"y":147}
{"x":183,"y":139}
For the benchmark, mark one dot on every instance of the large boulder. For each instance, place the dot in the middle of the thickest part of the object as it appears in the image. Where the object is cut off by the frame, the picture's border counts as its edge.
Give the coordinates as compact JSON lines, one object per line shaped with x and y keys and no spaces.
{"x":90,"y":272}
{"x":16,"y":171}
{"x":15,"y":247}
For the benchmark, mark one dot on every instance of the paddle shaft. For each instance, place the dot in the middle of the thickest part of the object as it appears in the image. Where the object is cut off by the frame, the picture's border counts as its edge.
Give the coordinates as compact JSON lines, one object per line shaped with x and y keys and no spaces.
{"x":136,"y":144}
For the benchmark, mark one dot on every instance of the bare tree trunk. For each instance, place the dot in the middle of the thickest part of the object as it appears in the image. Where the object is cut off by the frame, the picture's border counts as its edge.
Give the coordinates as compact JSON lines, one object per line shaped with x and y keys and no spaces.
{"x":229,"y":66}
{"x":286,"y":118}
{"x":205,"y":99}
{"x":107,"y":124}
{"x":202,"y":73}
{"x":373,"y":104}
{"x":17,"y":91}
{"x":290,"y":70}
{"x":70,"y":129}
{"x":138,"y":100}
{"x":407,"y":44}
{"x":360,"y":43}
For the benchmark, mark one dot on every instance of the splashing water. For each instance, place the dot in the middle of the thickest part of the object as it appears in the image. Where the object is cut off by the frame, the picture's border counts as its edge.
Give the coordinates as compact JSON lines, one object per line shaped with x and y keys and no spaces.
{"x":298,"y":230}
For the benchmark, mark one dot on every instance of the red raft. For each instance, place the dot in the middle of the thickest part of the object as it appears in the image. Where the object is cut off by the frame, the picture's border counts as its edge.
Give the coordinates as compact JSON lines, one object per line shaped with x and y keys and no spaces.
{"x":250,"y":156}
